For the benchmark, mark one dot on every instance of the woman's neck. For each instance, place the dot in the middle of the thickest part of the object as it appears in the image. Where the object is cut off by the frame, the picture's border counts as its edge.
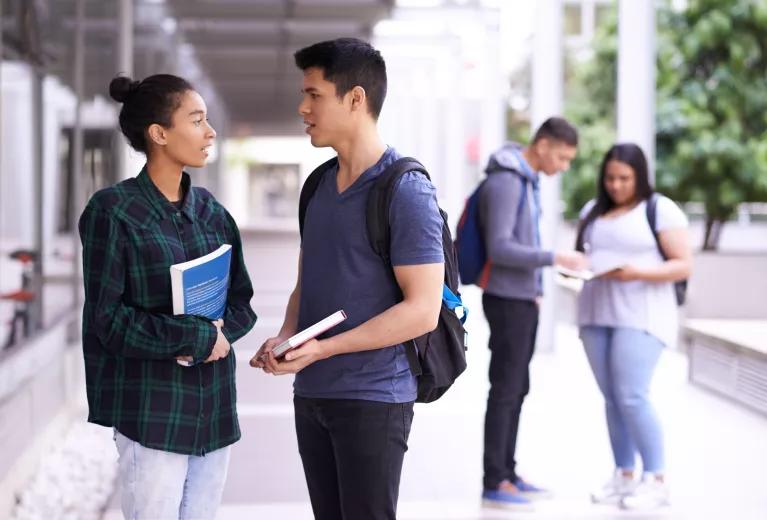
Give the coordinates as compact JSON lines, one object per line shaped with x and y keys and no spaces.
{"x":630,"y":204}
{"x":166,"y":175}
{"x":620,"y":209}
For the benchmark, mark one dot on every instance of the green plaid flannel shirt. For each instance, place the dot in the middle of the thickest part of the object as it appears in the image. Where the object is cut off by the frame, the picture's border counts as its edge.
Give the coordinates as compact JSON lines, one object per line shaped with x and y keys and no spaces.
{"x":131,"y":234}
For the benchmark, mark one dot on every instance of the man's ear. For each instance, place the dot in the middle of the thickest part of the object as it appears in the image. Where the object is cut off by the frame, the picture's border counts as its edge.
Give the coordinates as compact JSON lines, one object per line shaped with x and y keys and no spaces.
{"x":157,"y":134}
{"x":542,"y":145}
{"x":358,"y":97}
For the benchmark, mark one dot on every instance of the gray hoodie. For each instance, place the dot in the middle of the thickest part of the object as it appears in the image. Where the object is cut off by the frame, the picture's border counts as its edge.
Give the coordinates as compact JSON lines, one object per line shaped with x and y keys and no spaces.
{"x":506,"y":203}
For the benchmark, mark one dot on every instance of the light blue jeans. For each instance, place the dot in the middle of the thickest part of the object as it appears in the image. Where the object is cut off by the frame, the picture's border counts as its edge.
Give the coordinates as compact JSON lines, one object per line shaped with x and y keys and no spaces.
{"x":159,"y":485}
{"x":623,"y":361}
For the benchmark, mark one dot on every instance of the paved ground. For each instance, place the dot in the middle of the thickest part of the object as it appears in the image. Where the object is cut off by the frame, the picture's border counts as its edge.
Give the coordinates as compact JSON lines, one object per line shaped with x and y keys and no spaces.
{"x":716,"y":451}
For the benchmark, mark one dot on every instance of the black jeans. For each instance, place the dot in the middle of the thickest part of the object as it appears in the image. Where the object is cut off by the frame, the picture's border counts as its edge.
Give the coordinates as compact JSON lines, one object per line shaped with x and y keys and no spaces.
{"x":352,"y":453}
{"x":513,"y":326}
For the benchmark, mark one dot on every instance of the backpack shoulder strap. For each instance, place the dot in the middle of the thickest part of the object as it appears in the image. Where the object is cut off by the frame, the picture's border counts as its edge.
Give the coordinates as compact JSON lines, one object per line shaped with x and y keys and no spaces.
{"x":379,"y":201}
{"x":523,"y":197}
{"x":377,"y":219}
{"x":583,"y":224}
{"x":580,"y":237}
{"x":308,"y":189}
{"x":652,"y":220}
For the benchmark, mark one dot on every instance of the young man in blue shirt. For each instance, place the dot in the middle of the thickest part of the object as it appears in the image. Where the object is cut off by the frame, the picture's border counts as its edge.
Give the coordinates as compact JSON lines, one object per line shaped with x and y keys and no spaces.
{"x":354,"y":391}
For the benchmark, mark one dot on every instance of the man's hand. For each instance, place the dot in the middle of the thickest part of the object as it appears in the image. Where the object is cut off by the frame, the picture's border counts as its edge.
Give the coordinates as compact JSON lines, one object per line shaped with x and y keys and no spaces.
{"x":259,"y":360}
{"x":221,"y":347}
{"x":296,"y":359}
{"x":574,"y":260}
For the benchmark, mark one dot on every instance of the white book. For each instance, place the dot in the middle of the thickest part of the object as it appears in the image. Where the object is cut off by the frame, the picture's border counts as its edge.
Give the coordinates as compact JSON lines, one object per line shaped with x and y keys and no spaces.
{"x":309,"y":333}
{"x":598,"y":266}
{"x":602,"y":262}
{"x":583,"y":274}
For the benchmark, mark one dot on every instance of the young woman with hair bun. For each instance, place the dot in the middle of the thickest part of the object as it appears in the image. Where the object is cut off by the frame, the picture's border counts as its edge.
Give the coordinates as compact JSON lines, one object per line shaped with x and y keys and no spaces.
{"x":173,"y":423}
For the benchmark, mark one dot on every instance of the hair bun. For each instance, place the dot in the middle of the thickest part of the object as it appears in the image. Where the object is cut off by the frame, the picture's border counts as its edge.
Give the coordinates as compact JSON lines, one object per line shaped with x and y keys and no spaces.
{"x":121,"y":87}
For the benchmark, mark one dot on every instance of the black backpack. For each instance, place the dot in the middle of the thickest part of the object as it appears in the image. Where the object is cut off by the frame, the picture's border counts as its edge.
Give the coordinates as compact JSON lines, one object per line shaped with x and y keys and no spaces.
{"x":680,"y":287}
{"x":438,"y":357}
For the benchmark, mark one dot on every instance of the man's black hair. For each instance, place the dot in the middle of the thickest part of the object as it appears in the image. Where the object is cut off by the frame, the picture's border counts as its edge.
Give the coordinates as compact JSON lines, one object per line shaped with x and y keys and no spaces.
{"x":347,"y":63}
{"x":557,"y":129}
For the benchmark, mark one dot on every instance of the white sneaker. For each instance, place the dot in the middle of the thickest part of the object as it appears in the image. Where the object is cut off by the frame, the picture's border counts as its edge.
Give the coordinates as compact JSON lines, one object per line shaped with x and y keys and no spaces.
{"x":614,"y":490}
{"x":647,"y":495}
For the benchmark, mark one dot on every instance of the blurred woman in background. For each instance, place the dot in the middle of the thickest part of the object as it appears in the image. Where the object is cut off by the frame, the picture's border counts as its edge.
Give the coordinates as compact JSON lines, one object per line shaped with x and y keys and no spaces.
{"x":629,"y":314}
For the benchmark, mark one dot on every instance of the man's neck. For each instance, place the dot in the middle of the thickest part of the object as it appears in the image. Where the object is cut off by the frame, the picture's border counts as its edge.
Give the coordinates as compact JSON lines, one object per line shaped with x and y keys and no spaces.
{"x":357,"y":154}
{"x":530,"y":158}
{"x":166,"y":175}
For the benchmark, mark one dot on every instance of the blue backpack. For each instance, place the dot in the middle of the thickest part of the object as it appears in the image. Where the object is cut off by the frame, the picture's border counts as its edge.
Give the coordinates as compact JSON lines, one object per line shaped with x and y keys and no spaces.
{"x":473,"y":265}
{"x":469,"y":243}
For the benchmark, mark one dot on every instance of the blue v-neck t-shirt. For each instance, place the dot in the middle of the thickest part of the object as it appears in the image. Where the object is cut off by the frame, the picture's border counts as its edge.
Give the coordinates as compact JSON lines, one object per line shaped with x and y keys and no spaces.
{"x":340,"y":270}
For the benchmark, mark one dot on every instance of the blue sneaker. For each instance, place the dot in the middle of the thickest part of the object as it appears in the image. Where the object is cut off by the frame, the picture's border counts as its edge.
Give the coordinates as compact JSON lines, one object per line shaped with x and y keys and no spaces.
{"x":529,"y":490}
{"x":505,"y":499}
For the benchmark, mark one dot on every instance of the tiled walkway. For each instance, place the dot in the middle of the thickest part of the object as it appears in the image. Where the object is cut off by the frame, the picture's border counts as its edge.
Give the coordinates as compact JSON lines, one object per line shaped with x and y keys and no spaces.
{"x":716,"y":452}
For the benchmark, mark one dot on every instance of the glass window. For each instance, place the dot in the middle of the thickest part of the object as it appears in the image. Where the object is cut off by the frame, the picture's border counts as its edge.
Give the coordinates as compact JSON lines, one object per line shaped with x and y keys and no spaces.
{"x":603,"y":13}
{"x":572,"y":19}
{"x":274,"y":190}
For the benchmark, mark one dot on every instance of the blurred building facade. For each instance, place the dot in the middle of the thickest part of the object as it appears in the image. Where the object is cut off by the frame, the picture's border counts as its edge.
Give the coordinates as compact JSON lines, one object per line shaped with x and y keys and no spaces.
{"x":446,"y":105}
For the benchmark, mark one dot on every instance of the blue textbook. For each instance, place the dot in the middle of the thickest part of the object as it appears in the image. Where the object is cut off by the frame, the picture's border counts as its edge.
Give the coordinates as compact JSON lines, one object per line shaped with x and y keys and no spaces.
{"x":200,"y":286}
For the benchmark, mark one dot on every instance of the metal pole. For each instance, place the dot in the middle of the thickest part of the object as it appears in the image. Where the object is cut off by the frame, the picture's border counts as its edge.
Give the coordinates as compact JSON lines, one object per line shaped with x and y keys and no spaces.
{"x":36,"y":307}
{"x":77,"y":151}
{"x":125,"y":39}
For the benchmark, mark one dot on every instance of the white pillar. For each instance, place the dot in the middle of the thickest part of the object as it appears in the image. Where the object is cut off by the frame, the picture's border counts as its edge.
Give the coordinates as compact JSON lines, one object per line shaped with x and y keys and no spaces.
{"x":547,"y":88}
{"x":636,"y":76}
{"x":492,"y":97}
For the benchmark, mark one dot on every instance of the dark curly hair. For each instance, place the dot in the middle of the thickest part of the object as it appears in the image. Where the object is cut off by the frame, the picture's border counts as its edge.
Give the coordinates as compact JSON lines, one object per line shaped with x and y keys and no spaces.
{"x":152,"y":100}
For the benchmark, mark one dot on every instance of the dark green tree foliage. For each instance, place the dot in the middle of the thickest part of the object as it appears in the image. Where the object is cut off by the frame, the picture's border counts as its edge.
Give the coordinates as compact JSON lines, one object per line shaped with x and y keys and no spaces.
{"x":712,"y":107}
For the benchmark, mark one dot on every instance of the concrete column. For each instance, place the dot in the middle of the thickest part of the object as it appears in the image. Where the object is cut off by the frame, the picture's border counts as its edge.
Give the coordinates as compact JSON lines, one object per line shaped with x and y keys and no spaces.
{"x":453,"y":149}
{"x":636,"y":76}
{"x":492,"y":99}
{"x":125,"y":157}
{"x":77,"y":153}
{"x":547,"y":86}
